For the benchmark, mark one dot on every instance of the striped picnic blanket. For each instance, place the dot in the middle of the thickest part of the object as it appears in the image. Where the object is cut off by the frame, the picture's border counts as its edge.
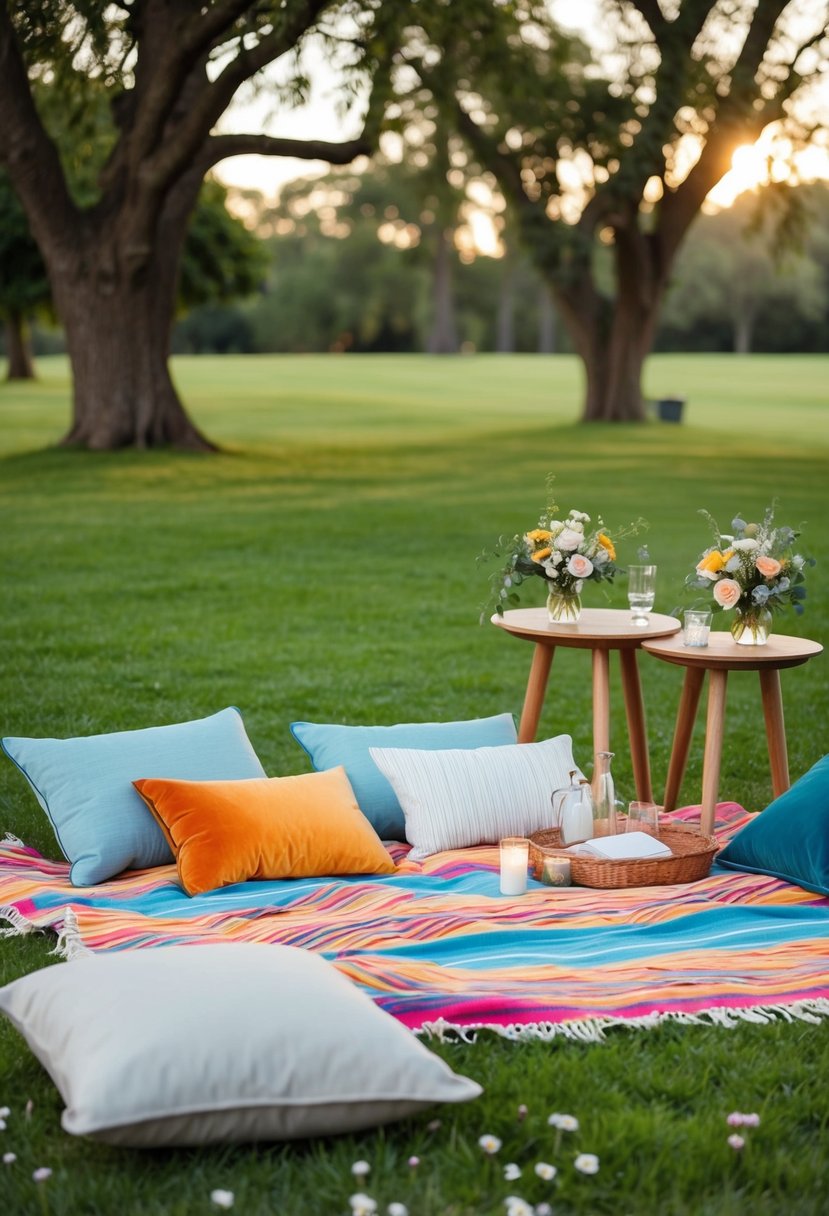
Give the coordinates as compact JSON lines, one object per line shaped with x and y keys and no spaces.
{"x":437,"y":946}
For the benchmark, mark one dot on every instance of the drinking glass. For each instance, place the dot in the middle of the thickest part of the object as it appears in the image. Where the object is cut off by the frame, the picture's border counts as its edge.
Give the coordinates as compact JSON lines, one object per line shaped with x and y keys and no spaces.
{"x":641,"y":591}
{"x":643,"y":817}
{"x":696,"y":627}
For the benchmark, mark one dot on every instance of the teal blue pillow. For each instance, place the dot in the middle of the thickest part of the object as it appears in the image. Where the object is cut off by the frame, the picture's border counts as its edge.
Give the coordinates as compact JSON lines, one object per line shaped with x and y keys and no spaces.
{"x":330,"y":745}
{"x":85,"y":786}
{"x":790,"y":838}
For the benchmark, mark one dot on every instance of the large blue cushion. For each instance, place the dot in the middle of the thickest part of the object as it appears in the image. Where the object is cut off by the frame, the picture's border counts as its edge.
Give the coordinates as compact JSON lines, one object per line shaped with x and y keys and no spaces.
{"x":790,"y":838}
{"x":85,"y":786}
{"x":331,"y":745}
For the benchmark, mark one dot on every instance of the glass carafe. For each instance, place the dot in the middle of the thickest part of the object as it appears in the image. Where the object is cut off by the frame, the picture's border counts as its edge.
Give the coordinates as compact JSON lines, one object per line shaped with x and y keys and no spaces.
{"x":573,"y":811}
{"x":604,"y":796}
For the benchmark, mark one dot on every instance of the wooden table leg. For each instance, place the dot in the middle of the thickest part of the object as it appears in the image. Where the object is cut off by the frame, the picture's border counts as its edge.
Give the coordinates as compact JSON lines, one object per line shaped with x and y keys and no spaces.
{"x":635,"y":711}
{"x":714,"y":727}
{"x":775,"y":729}
{"x":601,"y":701}
{"x":685,"y":718}
{"x":536,"y":688}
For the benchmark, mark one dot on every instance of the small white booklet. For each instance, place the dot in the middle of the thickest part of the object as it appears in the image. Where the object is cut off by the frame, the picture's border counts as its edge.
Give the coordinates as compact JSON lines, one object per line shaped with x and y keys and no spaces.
{"x":628,"y":846}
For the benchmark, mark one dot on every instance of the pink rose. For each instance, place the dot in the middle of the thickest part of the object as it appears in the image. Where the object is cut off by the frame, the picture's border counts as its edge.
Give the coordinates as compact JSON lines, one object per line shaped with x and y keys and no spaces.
{"x":727,"y":592}
{"x":580,"y":566}
{"x":769,"y":567}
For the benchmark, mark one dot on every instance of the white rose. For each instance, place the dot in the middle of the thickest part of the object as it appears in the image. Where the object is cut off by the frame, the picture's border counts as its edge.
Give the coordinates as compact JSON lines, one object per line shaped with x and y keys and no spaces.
{"x":569,"y":539}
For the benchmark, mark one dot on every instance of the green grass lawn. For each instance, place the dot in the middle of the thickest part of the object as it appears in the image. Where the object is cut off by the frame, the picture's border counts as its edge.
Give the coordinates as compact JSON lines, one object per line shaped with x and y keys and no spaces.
{"x":323,"y":566}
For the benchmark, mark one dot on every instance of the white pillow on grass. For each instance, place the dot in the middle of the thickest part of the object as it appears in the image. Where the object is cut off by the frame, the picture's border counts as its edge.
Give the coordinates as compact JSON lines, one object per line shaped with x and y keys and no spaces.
{"x":221,"y":1043}
{"x":455,"y":799}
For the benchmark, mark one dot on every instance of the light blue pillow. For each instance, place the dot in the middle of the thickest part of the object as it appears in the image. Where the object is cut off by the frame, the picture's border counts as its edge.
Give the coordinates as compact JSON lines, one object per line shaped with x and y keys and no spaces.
{"x":790,"y":838}
{"x":331,"y":745}
{"x":85,"y":786}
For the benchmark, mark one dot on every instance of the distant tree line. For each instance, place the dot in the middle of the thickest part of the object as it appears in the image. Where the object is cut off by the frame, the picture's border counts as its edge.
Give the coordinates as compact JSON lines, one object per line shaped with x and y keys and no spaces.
{"x":353,"y":265}
{"x":600,"y":158}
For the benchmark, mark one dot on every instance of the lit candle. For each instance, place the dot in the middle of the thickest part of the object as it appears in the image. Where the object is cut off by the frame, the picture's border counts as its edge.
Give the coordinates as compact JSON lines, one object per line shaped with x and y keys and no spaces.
{"x":515,"y":856}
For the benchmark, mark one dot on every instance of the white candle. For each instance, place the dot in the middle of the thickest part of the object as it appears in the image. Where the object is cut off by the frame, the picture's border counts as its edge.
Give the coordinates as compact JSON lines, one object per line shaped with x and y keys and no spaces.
{"x":515,"y":856}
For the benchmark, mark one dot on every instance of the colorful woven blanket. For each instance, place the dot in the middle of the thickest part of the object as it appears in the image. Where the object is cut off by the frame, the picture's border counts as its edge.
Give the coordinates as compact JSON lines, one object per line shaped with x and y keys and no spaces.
{"x":438,"y":947}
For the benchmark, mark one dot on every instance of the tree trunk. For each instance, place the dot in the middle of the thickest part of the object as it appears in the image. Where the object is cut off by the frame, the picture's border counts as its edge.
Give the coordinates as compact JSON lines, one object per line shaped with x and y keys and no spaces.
{"x":743,"y":332}
{"x":443,"y":338}
{"x":116,"y":299}
{"x":18,"y":351}
{"x":546,"y":321}
{"x":505,"y":318}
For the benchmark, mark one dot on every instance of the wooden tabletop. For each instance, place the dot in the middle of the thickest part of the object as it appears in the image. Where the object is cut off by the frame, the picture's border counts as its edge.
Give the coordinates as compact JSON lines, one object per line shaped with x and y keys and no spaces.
{"x":722,"y":652}
{"x":596,"y":628}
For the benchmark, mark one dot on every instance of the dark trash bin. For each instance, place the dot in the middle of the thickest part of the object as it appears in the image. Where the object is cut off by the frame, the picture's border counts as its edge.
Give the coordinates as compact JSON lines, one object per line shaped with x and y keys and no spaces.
{"x":669,"y":409}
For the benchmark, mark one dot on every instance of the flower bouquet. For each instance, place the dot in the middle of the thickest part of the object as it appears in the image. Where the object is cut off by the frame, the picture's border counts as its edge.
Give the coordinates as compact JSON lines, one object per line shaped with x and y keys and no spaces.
{"x":565,"y":552}
{"x":753,"y":571}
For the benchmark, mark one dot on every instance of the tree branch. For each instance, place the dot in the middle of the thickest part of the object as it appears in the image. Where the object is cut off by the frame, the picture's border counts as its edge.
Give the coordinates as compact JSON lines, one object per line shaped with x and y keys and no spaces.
{"x":219,"y":147}
{"x":213,"y":99}
{"x":26,"y":150}
{"x":650,"y":11}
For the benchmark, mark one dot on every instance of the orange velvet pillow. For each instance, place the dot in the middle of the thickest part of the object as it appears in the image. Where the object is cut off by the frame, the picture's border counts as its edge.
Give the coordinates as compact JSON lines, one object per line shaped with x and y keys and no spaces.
{"x":222,"y":832}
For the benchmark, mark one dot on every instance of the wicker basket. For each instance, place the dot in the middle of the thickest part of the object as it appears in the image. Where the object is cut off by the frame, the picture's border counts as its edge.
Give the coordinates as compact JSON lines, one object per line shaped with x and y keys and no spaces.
{"x":691,"y":860}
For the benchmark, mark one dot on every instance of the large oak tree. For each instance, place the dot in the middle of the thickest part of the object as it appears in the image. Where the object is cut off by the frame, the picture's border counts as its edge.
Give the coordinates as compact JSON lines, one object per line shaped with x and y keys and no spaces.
{"x":606,"y":156}
{"x":171,"y":67}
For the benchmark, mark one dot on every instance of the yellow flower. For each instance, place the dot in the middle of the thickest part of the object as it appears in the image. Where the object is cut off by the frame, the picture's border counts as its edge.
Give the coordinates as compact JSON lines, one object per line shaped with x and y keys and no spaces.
{"x":539,"y":534}
{"x":714,"y":561}
{"x":607,"y":543}
{"x":540,"y":554}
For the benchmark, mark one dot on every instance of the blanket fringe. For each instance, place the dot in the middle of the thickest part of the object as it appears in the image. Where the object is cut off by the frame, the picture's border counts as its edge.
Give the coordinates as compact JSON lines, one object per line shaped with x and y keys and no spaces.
{"x":69,"y":944}
{"x":18,"y":926}
{"x":592,"y":1030}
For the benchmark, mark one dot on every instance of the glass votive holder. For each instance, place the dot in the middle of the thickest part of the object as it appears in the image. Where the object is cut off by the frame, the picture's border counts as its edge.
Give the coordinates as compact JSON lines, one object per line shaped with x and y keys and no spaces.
{"x":643,"y":817}
{"x":696,"y":626}
{"x":515,"y":857}
{"x":555,"y":872}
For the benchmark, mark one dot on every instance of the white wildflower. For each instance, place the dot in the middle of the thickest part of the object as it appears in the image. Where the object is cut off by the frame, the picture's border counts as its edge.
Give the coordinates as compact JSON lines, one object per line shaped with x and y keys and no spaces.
{"x":222,"y":1199}
{"x":41,"y":1174}
{"x":362,"y":1205}
{"x":360,"y":1169}
{"x":736,"y":1142}
{"x":397,"y":1209}
{"x":5,"y":1111}
{"x":490,"y":1144}
{"x":512,"y":1171}
{"x":587,"y":1163}
{"x":566,"y":1123}
{"x":9,"y":1158}
{"x":545,"y":1170}
{"x":516,"y":1206}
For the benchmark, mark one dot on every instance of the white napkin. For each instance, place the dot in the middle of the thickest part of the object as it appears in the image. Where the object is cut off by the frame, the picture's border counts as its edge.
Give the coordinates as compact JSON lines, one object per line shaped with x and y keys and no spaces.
{"x":626,"y":847}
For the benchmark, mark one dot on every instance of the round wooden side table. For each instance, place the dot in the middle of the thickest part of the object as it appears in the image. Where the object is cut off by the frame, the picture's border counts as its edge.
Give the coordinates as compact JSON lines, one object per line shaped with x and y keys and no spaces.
{"x":718,"y":658}
{"x":599,"y":630}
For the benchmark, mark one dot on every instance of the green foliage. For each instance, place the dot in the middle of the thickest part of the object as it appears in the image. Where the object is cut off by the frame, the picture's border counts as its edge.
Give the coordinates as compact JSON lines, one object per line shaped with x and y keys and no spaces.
{"x":222,"y":260}
{"x":736,"y":273}
{"x":405,"y":466}
{"x":23,"y":282}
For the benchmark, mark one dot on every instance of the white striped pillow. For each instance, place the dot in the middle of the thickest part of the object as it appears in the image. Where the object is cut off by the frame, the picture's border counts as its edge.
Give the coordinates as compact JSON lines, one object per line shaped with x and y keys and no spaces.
{"x":455,"y":799}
